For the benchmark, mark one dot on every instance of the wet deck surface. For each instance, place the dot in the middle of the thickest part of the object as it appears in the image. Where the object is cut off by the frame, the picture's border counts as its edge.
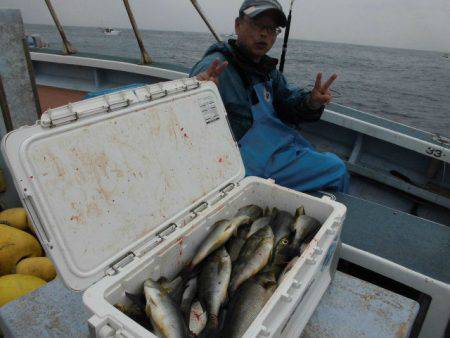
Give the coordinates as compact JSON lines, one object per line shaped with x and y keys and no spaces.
{"x":353,"y":308}
{"x":51,"y":97}
{"x":349,"y":308}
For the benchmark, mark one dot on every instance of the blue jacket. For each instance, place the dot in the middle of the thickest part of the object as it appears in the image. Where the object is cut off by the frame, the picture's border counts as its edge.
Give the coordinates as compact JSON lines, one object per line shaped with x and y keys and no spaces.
{"x":236,"y":88}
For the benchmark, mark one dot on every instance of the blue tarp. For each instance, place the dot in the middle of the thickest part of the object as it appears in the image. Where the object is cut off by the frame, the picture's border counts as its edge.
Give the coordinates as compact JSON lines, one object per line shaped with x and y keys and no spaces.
{"x":112,"y":90}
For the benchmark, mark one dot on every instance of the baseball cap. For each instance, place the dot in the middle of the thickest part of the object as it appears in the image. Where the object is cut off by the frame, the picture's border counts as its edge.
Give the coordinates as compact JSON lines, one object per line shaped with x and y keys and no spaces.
{"x":253,"y":8}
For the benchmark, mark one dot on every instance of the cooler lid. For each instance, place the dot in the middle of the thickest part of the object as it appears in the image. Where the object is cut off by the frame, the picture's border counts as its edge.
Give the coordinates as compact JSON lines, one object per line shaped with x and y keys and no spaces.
{"x":102,"y":176}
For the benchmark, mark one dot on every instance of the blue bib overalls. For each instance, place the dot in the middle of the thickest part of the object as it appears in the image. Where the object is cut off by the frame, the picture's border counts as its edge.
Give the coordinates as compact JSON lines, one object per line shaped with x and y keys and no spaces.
{"x":271,"y":149}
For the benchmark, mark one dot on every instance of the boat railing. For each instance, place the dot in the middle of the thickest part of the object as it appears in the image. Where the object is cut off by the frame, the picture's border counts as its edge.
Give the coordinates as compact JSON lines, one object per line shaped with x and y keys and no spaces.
{"x":69,"y":49}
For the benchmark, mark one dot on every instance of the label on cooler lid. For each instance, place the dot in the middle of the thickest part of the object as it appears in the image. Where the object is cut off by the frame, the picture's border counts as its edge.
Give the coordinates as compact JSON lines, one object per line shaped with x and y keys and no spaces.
{"x":208,"y":108}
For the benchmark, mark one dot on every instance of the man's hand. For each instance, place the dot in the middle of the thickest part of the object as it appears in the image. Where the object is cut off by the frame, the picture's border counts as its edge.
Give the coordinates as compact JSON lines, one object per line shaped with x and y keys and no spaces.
{"x":321,"y":95}
{"x":213,"y":72}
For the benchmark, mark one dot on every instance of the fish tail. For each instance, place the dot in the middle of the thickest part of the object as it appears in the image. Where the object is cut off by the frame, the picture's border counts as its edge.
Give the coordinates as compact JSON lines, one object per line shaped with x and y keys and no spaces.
{"x":212,"y":327}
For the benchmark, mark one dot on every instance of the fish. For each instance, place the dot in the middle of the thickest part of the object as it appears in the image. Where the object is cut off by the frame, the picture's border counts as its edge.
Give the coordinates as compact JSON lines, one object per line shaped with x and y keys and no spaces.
{"x":303,"y":226}
{"x":259,"y":224}
{"x":287,"y":269}
{"x":197,"y":318}
{"x":246,"y":304}
{"x":135,"y":313}
{"x":281,"y":256}
{"x":213,"y":284}
{"x":292,"y":262}
{"x":221,"y":232}
{"x":235,"y":244}
{"x":166,"y":317}
{"x":190,"y":290}
{"x":173,"y":287}
{"x":303,"y":247}
{"x":253,"y":257}
{"x":282,"y":225}
{"x":253,"y":211}
{"x":270,"y":212}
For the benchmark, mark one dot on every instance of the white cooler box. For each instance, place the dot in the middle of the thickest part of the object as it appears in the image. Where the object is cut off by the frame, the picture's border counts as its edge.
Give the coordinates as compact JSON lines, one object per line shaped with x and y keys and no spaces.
{"x":124,"y":187}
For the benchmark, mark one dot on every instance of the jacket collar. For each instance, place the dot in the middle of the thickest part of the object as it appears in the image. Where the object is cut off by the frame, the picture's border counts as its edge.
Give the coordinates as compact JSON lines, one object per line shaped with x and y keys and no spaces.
{"x":261,"y":68}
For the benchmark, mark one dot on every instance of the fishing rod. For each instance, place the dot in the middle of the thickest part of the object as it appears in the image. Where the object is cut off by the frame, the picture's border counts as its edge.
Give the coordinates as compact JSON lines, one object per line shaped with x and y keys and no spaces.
{"x":205,"y":19}
{"x":286,"y":38}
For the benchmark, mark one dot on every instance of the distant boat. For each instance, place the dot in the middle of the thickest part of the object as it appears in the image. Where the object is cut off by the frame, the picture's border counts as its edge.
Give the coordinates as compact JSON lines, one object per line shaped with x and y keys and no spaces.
{"x":446,"y":55}
{"x":110,"y":31}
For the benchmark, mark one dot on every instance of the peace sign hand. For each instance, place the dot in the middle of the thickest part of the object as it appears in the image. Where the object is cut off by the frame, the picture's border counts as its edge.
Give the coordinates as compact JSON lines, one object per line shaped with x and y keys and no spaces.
{"x":213,"y":72}
{"x":321,"y":94}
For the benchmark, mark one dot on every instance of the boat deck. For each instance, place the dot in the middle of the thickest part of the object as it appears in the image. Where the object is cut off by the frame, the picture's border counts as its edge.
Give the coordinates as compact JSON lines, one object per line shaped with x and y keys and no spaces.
{"x":350,"y":308}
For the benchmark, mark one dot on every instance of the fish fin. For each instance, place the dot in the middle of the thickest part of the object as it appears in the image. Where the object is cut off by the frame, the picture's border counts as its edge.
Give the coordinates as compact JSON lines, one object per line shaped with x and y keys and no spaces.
{"x":299,"y":211}
{"x":228,"y":226}
{"x":166,"y":290}
{"x":274,"y":212}
{"x":138,"y":300}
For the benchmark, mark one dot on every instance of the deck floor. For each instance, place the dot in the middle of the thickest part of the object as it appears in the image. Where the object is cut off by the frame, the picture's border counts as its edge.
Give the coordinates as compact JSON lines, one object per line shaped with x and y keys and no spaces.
{"x":52,"y":97}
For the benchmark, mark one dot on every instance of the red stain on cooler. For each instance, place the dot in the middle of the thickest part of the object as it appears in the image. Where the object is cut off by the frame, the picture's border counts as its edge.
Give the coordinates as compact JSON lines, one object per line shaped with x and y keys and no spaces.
{"x":220,"y":160}
{"x":186,"y":135}
{"x":180,"y":242}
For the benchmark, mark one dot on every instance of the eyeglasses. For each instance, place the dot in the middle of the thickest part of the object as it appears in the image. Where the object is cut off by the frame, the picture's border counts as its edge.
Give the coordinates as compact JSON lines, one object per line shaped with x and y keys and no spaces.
{"x":271,"y":30}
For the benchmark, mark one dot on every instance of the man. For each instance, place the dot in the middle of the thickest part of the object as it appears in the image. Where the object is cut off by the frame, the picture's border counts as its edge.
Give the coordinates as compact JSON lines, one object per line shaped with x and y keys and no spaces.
{"x":263,"y":109}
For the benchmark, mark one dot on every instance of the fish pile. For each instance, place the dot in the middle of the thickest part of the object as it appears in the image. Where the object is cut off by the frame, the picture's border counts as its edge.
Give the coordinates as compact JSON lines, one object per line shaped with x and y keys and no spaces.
{"x":232,"y":275}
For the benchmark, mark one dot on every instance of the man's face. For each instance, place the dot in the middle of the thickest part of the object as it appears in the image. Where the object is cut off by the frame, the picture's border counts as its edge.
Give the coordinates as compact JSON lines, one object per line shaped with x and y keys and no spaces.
{"x":257,"y":35}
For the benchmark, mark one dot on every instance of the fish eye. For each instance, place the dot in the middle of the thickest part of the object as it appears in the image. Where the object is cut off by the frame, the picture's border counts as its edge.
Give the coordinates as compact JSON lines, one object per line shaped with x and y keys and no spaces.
{"x":284,"y":241}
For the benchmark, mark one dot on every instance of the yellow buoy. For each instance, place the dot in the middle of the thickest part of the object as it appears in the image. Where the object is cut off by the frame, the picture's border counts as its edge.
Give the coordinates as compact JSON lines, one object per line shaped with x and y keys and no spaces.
{"x":41,"y":267}
{"x":16,"y":286}
{"x":15,"y":245}
{"x":15,"y":217}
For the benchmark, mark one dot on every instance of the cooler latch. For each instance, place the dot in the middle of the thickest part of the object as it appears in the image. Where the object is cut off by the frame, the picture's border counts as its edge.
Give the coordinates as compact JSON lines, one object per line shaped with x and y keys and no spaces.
{"x":223,"y":193}
{"x":158,"y":239}
{"x":75,"y":111}
{"x":198,"y":209}
{"x":119,"y":264}
{"x":157,"y":91}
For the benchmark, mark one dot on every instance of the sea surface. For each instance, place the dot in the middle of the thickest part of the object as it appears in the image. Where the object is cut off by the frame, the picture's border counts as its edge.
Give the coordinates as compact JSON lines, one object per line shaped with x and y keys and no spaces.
{"x":408,"y":86}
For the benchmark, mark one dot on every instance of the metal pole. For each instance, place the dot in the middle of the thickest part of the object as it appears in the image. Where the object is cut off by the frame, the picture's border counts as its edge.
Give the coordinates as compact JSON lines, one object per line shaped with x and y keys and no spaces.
{"x":205,"y":19}
{"x":286,"y":38}
{"x":145,"y":57}
{"x":68,"y":49}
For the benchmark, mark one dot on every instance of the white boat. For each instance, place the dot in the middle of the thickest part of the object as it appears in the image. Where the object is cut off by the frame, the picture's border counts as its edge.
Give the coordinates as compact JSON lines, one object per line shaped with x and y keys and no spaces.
{"x":396,"y":236}
{"x":110,"y":31}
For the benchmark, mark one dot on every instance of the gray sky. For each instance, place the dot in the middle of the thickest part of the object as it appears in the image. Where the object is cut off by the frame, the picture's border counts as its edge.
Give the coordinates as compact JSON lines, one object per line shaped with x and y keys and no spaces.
{"x":417,"y":24}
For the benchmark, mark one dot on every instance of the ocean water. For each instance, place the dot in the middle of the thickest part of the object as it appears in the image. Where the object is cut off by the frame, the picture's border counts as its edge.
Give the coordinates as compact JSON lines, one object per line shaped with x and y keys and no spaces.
{"x":408,"y":86}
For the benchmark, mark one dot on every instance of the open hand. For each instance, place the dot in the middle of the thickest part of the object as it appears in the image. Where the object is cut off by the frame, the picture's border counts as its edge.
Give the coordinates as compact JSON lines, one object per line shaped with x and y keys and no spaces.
{"x":321,"y":94}
{"x":213,"y":72}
